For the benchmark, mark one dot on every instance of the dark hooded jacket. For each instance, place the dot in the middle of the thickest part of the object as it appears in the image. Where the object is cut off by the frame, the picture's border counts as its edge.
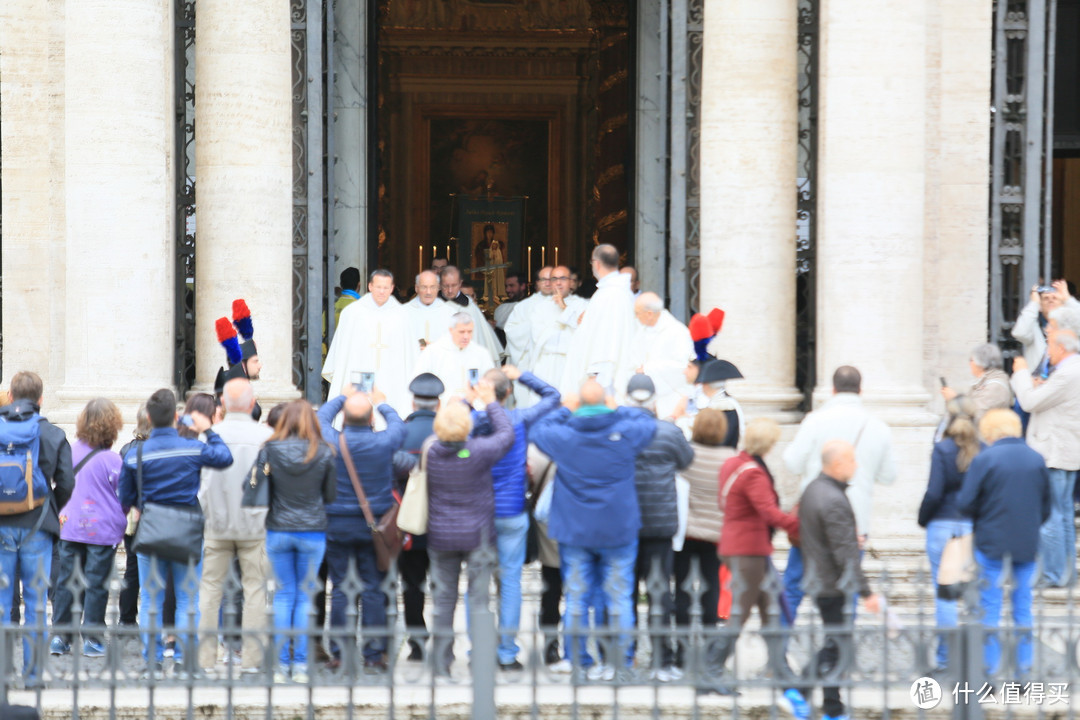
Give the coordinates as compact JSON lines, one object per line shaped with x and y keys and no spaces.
{"x":300,"y":489}
{"x":54,"y":459}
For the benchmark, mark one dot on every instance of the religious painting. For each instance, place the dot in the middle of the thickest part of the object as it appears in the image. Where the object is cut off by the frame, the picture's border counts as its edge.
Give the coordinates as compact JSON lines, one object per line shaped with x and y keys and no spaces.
{"x":489,"y":250}
{"x":488,"y":170}
{"x":489,"y":234}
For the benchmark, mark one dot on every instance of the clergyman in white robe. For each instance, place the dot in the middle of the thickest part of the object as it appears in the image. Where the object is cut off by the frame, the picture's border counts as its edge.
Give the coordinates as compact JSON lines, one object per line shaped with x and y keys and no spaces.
{"x":662,"y":351}
{"x":551,"y":338}
{"x":428,"y":322}
{"x":451,"y":364}
{"x":601,"y":345}
{"x":373,"y":338}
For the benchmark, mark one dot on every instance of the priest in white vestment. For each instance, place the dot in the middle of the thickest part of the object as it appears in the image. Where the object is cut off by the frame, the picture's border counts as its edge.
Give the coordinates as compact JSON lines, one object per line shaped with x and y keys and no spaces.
{"x":429,"y":317}
{"x":453,"y":356}
{"x":602,"y":343}
{"x":662,"y":348}
{"x":372,"y":336}
{"x":484,"y":334}
{"x":552,"y":332}
{"x":519,"y":325}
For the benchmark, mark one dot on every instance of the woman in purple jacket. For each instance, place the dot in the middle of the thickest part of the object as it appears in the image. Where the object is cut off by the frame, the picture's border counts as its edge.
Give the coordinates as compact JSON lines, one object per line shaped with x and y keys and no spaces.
{"x":91,"y":524}
{"x":461,"y":511}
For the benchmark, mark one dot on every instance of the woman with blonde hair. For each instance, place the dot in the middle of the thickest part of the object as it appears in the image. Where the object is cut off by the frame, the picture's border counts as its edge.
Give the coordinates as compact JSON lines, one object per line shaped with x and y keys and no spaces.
{"x":461,"y":510}
{"x":91,"y":524}
{"x":939,"y":513}
{"x":300,"y":468}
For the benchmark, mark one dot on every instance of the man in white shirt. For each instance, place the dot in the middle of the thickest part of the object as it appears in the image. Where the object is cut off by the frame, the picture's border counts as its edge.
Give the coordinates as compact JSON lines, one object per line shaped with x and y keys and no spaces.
{"x":842,"y":417}
{"x":602,"y":346}
{"x":373,"y":337}
{"x":450,"y":289}
{"x":429,"y":317}
{"x":455,"y":359}
{"x":662,"y":348}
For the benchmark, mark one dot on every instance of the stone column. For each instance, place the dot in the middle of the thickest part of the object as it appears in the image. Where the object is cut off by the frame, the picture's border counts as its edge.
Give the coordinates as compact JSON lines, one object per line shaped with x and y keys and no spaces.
{"x":32,"y":265}
{"x":350,"y":137}
{"x":749,"y":133}
{"x":119,"y":211}
{"x":243,"y":176}
{"x":871,"y":201}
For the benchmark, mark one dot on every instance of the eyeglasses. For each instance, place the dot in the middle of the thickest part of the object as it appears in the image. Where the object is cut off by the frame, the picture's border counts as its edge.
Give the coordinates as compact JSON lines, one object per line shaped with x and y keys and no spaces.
{"x":561,"y":277}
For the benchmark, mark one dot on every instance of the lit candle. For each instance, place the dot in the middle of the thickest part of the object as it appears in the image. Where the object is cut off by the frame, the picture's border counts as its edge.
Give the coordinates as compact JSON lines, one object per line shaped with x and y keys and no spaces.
{"x":447,"y":253}
{"x":421,"y":268}
{"x":556,"y":255}
{"x":543,"y":256}
{"x":530,"y":262}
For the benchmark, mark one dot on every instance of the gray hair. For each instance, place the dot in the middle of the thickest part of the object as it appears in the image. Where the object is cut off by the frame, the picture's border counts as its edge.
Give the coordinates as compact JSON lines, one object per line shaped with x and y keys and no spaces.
{"x":460,"y":318}
{"x":1067,"y":318}
{"x":431,"y":404}
{"x":987,"y":356}
{"x":1067,"y":340}
{"x":237,"y":395}
{"x":651,"y":302}
{"x":380,"y":273}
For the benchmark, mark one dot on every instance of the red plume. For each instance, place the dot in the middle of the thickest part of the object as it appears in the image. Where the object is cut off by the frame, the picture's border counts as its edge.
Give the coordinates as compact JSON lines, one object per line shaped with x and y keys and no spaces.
{"x":716,"y":319}
{"x":700,"y":328}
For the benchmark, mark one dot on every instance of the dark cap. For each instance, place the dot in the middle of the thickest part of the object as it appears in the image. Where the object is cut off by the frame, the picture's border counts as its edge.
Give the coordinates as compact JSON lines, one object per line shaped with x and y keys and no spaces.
{"x":717,"y":371}
{"x":426,"y":385}
{"x":640,"y":387}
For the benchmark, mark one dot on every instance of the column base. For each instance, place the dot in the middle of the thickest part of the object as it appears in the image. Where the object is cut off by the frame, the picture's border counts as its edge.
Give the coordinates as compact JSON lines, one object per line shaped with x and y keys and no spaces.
{"x":772,"y":401}
{"x":72,"y":400}
{"x":897,"y":406}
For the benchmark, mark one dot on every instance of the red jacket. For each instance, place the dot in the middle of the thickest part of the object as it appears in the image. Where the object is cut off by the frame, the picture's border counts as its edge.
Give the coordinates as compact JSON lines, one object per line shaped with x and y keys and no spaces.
{"x":752,"y":507}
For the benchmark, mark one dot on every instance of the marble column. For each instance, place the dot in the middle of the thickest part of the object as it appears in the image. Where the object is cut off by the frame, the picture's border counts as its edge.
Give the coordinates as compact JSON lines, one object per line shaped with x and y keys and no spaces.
{"x":871,"y":201}
{"x":748,"y":164}
{"x":119,"y":212}
{"x":243,"y":175}
{"x":33,"y":259}
{"x":350,"y":138}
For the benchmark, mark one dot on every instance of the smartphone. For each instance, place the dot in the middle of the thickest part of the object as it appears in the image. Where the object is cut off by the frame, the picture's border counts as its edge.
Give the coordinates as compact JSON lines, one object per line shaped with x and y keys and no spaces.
{"x":186,"y":421}
{"x":1043,"y":289}
{"x":474,"y":377}
{"x":367,"y":382}
{"x":941,"y":379}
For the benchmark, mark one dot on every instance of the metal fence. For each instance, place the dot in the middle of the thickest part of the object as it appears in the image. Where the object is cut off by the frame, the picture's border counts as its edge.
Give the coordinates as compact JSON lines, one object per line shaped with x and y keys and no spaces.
{"x":884,"y":663}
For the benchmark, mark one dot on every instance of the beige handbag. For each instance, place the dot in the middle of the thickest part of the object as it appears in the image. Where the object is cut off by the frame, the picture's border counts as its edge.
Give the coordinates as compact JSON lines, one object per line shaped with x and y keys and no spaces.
{"x":413,"y":514}
{"x":957,"y":568}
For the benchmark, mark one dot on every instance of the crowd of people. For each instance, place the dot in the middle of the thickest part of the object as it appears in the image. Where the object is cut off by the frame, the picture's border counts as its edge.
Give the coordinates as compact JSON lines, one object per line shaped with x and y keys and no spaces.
{"x":603,"y":426}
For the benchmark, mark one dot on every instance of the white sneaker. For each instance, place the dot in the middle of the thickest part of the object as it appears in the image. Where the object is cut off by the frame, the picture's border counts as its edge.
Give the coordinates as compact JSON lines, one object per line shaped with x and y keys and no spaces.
{"x":563,"y":667}
{"x":660,"y":675}
{"x":674,"y":672}
{"x":601,"y":672}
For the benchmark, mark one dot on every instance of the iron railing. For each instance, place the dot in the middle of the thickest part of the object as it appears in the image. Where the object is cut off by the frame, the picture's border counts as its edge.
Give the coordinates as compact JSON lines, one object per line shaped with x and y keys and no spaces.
{"x":884,"y":662}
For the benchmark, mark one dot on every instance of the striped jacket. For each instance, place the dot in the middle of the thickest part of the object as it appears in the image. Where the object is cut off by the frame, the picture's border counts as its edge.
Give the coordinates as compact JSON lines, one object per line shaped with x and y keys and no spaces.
{"x":171,"y":467}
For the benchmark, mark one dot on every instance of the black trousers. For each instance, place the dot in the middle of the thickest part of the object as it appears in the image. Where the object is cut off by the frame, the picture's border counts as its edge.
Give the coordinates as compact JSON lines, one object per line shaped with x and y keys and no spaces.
{"x":550,"y":599}
{"x":413,"y":566}
{"x":832,"y":617}
{"x":656,"y":552}
{"x":129,"y":593}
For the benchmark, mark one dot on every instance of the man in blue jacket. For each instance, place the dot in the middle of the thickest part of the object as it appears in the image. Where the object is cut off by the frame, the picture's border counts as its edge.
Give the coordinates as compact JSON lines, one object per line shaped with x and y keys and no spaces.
{"x":594,"y":509}
{"x":348,"y":539}
{"x":511,"y":516}
{"x":171,"y":475}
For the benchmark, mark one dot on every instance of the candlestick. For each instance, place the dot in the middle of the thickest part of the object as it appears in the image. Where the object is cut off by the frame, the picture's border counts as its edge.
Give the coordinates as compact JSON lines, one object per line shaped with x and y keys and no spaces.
{"x":530,"y":263}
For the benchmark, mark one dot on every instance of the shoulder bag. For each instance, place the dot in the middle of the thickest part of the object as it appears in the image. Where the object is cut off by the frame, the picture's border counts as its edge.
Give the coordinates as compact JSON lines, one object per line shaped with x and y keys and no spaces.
{"x":257,"y":484}
{"x":413,"y":515}
{"x":385,"y":535}
{"x":171,"y":533}
{"x":957,"y":567}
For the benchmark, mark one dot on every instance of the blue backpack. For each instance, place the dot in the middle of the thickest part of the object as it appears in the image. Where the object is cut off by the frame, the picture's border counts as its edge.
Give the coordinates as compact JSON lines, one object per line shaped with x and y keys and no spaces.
{"x":22,"y":483}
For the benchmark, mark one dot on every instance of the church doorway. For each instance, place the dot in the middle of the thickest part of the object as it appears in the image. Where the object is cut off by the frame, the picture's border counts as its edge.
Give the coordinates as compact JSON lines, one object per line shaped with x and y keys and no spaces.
{"x":1065,"y":202}
{"x":504,"y":141}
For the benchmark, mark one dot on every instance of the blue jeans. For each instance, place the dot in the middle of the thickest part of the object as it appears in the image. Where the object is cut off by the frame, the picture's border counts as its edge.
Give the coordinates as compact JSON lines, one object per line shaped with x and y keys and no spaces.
{"x":990,"y":600}
{"x":295,"y":557}
{"x":938,"y":533}
{"x":339,"y":554}
{"x":96,"y":562}
{"x":511,"y":537}
{"x":152,"y":597}
{"x":33,"y":558}
{"x":793,"y":573}
{"x":609,"y":570}
{"x":1057,"y":536}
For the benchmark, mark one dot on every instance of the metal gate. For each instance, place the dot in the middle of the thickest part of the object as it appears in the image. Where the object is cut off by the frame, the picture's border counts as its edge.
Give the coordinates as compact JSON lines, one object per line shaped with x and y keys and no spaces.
{"x":1021,"y":157}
